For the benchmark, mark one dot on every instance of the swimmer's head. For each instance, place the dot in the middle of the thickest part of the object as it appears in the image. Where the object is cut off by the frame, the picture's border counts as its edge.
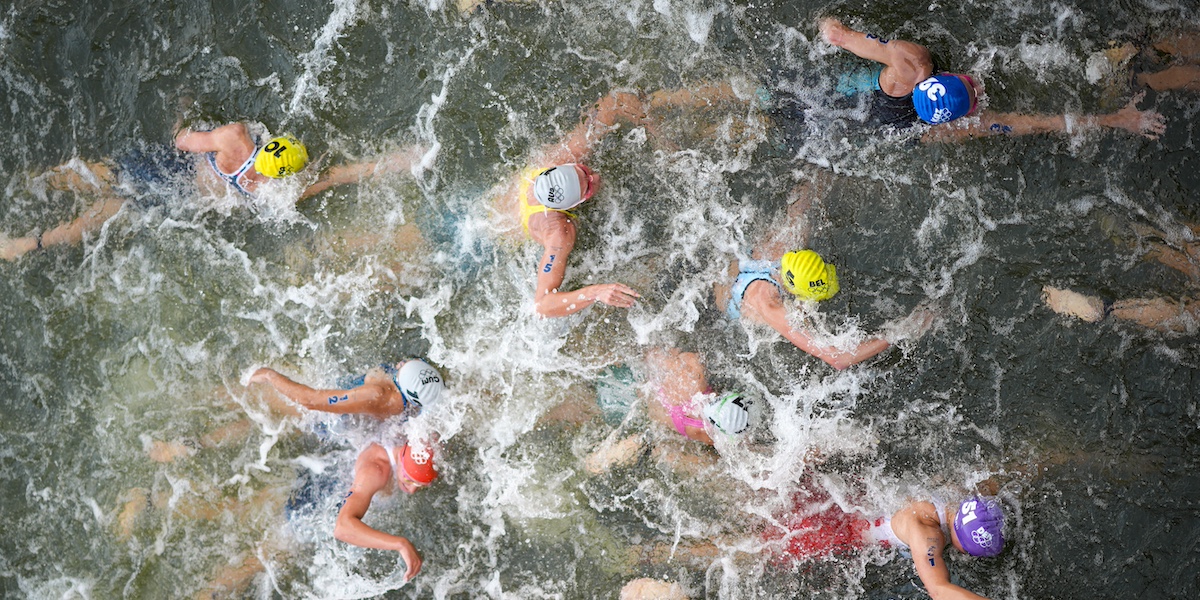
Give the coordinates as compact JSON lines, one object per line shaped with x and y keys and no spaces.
{"x":416,"y":468}
{"x":978,"y":526}
{"x":282,"y":156}
{"x":419,"y":383}
{"x":565,"y":186}
{"x":729,"y":413}
{"x":945,"y":97}
{"x":808,"y":276}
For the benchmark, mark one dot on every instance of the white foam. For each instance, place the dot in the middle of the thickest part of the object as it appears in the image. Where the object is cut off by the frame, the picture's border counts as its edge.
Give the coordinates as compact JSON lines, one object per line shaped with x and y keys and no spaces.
{"x":307,"y":89}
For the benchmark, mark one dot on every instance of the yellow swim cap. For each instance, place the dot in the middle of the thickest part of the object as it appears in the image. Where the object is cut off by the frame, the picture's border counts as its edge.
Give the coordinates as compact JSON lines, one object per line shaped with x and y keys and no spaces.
{"x":807,"y":275}
{"x":281,"y":157}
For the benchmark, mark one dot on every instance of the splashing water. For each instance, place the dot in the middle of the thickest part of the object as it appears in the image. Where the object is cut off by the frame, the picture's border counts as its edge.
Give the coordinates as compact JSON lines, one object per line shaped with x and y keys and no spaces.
{"x":136,"y":461}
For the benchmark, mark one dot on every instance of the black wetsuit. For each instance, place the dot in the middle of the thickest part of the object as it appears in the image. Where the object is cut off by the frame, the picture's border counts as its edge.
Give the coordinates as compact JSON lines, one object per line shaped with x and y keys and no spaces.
{"x":892,"y":111}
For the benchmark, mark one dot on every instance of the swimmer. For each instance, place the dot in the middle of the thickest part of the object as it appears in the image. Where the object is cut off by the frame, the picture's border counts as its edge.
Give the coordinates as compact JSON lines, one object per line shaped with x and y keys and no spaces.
{"x":543,"y":194}
{"x":907,"y":89}
{"x":375,"y":468}
{"x":235,"y":163}
{"x":411,"y":466}
{"x":682,"y":401}
{"x":412,"y":469}
{"x":754,"y":293}
{"x":922,"y":529}
{"x":386,"y":391}
{"x":685,"y":402}
{"x":976,"y":529}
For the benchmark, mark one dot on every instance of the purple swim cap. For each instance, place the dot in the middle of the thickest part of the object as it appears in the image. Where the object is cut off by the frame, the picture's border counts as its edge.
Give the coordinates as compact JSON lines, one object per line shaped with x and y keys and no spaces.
{"x":978,"y":525}
{"x":941,"y":99}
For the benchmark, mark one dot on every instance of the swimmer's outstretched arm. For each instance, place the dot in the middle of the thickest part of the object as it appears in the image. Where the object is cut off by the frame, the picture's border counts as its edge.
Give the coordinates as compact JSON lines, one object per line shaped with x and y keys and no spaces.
{"x":364,"y":399}
{"x":762,"y":302}
{"x":401,"y":161}
{"x":611,"y":109}
{"x":372,"y":471}
{"x":1149,"y":123}
{"x":918,"y":526}
{"x":550,"y":302}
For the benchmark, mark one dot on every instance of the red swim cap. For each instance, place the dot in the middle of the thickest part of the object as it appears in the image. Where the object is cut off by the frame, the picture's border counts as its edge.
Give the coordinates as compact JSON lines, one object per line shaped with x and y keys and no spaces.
{"x":418,"y":465}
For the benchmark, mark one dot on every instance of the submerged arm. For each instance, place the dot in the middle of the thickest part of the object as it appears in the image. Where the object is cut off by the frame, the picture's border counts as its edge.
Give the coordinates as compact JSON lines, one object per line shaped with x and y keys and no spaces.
{"x":355,"y":172}
{"x":611,"y":108}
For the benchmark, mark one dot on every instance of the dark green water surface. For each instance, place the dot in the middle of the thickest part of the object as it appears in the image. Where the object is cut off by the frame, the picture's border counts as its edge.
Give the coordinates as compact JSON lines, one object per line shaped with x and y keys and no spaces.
{"x":147,"y":332}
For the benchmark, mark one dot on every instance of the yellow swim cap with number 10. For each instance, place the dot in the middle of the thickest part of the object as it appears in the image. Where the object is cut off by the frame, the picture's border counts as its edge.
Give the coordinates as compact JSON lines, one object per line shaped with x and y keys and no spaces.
{"x":282,"y":156}
{"x":808,"y":276}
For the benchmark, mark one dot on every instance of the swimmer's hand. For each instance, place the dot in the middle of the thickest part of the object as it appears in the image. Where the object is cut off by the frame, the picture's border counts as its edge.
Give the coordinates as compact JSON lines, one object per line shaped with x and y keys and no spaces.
{"x":833,"y":31}
{"x":614,"y":294}
{"x":408,"y":160}
{"x":1149,"y":123}
{"x":263,"y":375}
{"x":409,"y":555}
{"x":912,"y":327}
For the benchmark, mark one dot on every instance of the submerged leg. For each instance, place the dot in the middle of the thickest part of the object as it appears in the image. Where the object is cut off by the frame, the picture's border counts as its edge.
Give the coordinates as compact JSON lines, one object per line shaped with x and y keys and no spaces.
{"x":1181,"y":77}
{"x":89,"y":179}
{"x":1183,"y":45}
{"x":1182,"y":261}
{"x":652,"y":589}
{"x":1074,"y":304}
{"x":69,"y":233}
{"x":1160,"y":314}
{"x":78,"y":176}
{"x":232,"y":580}
{"x":609,"y":455}
{"x":136,"y":501}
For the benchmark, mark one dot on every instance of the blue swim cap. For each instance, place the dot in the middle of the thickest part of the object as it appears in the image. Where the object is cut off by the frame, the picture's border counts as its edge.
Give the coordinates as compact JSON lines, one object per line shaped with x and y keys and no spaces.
{"x":941,"y":99}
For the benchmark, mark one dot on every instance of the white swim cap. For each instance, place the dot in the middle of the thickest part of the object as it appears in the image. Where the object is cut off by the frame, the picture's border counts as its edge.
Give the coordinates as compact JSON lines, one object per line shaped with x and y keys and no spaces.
{"x":558,"y":188}
{"x":420,"y":383}
{"x":729,"y":413}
